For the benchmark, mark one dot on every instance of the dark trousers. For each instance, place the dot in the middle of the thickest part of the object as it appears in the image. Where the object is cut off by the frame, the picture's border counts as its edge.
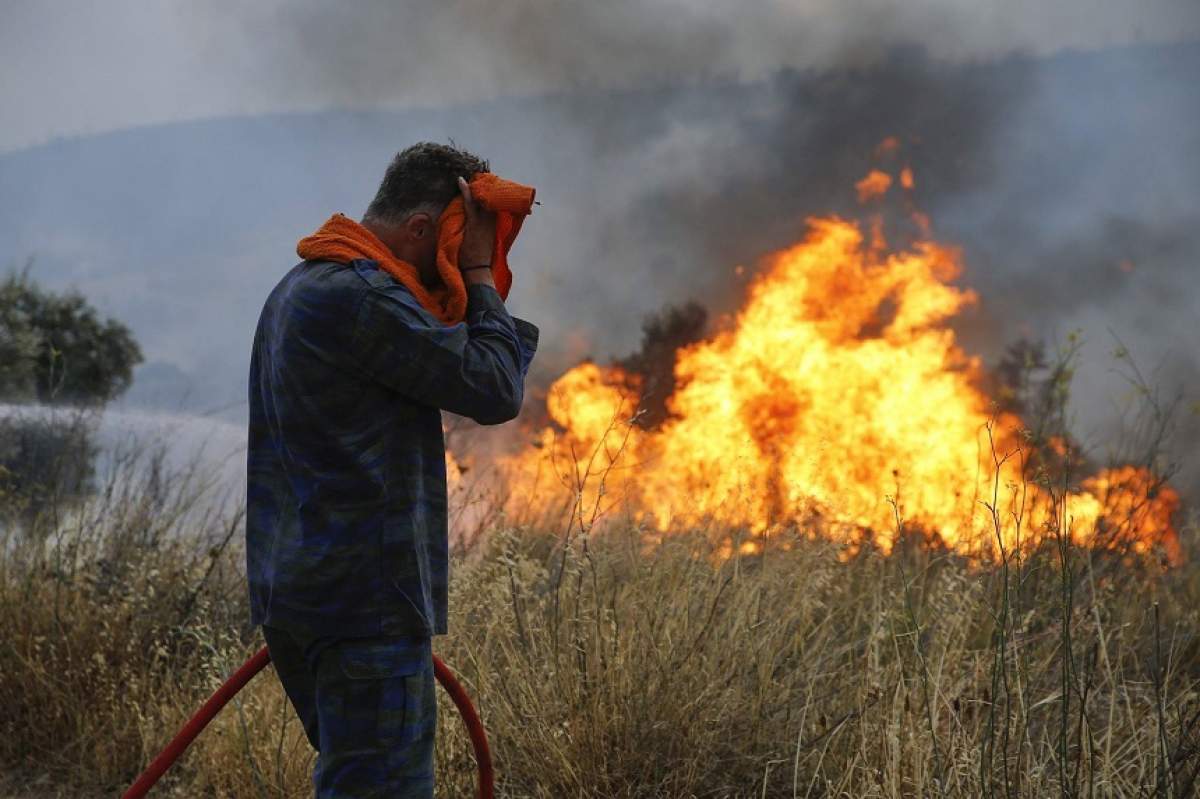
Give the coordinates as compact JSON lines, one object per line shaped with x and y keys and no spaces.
{"x":368,"y":708}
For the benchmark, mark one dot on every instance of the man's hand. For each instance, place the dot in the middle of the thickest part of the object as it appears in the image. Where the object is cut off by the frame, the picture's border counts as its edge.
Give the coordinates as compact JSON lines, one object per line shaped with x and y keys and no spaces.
{"x":478,"y":238}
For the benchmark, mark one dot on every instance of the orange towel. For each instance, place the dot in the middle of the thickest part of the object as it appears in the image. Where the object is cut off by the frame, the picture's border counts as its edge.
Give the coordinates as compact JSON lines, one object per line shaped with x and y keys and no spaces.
{"x":341,"y":239}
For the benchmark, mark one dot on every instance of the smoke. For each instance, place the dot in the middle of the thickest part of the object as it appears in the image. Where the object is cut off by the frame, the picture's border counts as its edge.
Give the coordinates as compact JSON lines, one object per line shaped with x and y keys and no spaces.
{"x":468,"y":49}
{"x":701,"y":134}
{"x":125,"y":63}
{"x":210,"y":453}
{"x":672,"y":142}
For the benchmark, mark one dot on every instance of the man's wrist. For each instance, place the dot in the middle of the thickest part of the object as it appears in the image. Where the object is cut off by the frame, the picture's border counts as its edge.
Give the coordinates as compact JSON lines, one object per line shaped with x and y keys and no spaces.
{"x":472,"y":276}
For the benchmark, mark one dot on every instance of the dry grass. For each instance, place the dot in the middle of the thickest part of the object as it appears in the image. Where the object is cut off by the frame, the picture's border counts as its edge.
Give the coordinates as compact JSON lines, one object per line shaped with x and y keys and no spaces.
{"x":797,"y":674}
{"x":611,"y":668}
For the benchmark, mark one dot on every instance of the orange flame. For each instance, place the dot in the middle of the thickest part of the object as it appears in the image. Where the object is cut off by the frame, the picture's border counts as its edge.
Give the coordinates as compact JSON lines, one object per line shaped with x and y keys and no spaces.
{"x":838,"y":401}
{"x":873,"y":186}
{"x":887,"y":148}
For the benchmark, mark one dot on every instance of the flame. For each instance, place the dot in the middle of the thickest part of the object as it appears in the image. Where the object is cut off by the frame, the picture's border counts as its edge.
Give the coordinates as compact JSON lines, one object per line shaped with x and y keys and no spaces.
{"x":837,"y":401}
{"x":454,"y":473}
{"x":1130,"y":505}
{"x":873,"y":186}
{"x":888,"y":147}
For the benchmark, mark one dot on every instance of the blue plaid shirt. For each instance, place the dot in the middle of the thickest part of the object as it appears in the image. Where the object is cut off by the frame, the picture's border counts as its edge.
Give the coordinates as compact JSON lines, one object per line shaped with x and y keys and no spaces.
{"x":346,"y":472}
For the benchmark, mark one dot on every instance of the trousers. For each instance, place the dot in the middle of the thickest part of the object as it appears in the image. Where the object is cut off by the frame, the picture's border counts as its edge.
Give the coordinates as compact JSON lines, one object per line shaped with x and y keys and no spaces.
{"x":368,"y":706}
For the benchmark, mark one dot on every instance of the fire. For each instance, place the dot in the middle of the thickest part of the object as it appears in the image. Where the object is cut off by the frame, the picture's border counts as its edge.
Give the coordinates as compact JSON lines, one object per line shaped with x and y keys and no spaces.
{"x":837,"y":401}
{"x":1133,"y":507}
{"x":888,"y":147}
{"x":873,"y":186}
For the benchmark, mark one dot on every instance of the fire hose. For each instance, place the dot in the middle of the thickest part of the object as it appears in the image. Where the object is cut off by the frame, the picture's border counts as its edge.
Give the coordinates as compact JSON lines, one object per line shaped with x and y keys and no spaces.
{"x":167,"y":757}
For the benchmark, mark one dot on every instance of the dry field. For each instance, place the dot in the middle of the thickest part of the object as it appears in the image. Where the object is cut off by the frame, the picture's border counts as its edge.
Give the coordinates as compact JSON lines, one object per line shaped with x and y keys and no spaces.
{"x":606,"y":666}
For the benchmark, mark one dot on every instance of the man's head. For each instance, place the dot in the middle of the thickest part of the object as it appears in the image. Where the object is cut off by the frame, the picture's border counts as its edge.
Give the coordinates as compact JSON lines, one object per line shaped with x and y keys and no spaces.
{"x":417,"y":186}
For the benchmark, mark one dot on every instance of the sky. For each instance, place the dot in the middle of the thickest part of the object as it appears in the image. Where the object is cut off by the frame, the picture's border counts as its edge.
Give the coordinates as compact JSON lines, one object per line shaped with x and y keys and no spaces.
{"x":76,"y":68}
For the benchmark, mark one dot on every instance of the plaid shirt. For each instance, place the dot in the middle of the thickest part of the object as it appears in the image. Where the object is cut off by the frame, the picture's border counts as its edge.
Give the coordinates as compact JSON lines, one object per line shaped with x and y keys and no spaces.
{"x":346,"y":474}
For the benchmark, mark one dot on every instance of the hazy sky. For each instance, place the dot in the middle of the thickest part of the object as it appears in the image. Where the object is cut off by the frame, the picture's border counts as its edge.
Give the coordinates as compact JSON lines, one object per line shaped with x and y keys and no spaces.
{"x":83,"y":67}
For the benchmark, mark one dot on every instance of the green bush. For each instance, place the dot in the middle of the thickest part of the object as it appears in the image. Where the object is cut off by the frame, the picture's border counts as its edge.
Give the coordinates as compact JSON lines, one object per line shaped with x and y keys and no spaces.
{"x":55,"y":348}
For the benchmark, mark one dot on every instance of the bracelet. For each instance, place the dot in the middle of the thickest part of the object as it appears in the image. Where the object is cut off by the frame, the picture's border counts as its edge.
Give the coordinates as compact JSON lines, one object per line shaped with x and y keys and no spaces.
{"x":477,"y":266}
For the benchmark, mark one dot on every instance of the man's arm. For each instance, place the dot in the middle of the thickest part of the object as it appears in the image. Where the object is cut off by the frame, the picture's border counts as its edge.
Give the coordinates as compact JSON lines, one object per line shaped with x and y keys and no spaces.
{"x":475,"y":368}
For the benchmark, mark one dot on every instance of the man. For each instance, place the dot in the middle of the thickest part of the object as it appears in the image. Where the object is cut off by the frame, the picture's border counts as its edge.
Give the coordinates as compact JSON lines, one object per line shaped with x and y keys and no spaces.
{"x":346,"y":544}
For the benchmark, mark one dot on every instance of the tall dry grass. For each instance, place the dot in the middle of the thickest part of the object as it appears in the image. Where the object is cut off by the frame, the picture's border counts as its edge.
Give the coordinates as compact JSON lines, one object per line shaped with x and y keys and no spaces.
{"x":607,"y":666}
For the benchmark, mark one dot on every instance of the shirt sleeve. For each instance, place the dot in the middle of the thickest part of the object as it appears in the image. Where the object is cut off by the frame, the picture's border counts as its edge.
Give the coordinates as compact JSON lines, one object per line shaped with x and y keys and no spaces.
{"x":475,"y":368}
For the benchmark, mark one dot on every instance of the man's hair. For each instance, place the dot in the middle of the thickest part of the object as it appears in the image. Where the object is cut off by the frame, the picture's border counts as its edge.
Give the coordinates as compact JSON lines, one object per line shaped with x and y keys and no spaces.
{"x":422,"y":177}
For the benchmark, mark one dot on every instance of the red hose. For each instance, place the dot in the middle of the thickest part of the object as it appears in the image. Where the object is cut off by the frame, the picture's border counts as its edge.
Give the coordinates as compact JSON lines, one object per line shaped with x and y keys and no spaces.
{"x":167,"y":757}
{"x":479,"y":741}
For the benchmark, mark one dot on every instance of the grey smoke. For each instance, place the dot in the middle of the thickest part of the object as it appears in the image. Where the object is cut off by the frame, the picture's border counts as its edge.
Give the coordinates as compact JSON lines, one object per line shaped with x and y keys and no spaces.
{"x":385,"y":51}
{"x":709,"y":156}
{"x":675,"y":142}
{"x":79,"y":67}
